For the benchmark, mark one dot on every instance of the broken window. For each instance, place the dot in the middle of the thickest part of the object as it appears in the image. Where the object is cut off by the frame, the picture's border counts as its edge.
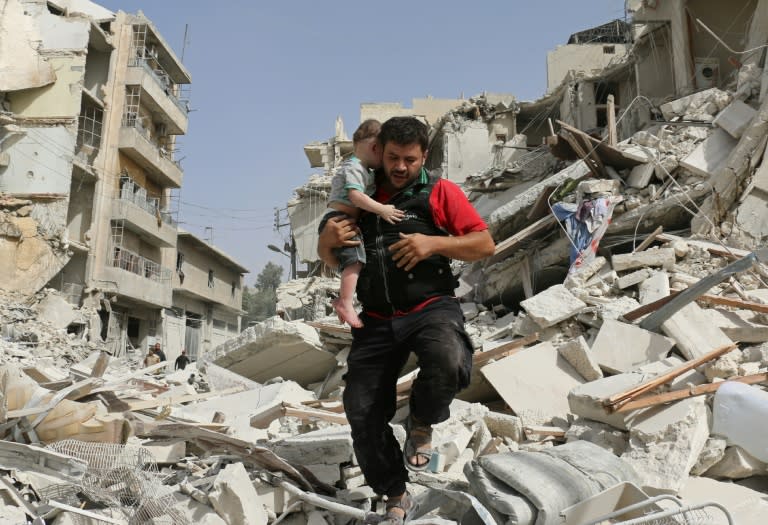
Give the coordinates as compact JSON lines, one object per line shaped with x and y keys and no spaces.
{"x":89,"y":126}
{"x":210,"y":278}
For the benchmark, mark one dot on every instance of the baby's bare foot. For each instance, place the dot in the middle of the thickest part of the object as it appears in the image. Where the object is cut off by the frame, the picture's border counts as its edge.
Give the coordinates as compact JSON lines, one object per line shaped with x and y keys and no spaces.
{"x":347,"y":313}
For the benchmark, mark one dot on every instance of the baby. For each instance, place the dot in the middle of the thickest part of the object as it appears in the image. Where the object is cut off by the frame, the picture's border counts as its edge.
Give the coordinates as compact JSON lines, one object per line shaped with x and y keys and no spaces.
{"x":351,"y":188}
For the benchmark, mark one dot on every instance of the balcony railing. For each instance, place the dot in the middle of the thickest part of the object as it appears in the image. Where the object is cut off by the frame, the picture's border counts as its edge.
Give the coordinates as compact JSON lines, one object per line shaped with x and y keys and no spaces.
{"x":135,"y":263}
{"x":136,"y":195}
{"x":158,"y":73}
{"x":133,"y":121}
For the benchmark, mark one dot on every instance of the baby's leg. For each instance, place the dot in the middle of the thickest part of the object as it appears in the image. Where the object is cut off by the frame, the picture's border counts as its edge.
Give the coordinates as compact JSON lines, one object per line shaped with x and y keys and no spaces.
{"x":344,"y":305}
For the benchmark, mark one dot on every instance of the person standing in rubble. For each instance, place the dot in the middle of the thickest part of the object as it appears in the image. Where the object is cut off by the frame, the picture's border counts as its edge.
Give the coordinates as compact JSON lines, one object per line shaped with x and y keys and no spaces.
{"x":182,"y":361}
{"x":407,"y":292}
{"x":159,"y":353}
{"x":351,"y":188}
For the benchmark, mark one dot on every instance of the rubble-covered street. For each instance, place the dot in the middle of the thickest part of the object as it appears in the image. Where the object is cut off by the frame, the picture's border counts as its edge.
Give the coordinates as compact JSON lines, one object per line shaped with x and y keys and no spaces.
{"x":620,"y":330}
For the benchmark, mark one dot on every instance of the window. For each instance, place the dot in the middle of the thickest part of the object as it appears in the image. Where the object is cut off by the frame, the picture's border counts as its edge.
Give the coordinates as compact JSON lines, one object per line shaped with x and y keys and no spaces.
{"x":179,"y":262}
{"x":210,"y":278}
{"x":609,"y":50}
{"x":233,"y":289}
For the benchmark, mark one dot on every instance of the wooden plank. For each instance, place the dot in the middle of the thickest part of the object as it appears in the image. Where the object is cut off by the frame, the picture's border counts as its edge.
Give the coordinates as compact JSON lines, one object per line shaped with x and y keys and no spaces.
{"x":72,"y":392}
{"x":502,"y":351}
{"x":698,"y":390}
{"x":529,"y":231}
{"x":584,"y":155}
{"x":617,"y":400}
{"x":610,"y":155}
{"x":330,"y":328}
{"x":706,"y":299}
{"x":648,"y":240}
{"x":611,"y":117}
{"x":101,"y":365}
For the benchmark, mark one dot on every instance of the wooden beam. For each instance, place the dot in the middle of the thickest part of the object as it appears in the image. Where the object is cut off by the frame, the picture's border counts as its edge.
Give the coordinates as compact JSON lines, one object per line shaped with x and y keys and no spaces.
{"x":584,"y":155}
{"x":614,"y":402}
{"x":706,"y":299}
{"x":527,"y":232}
{"x":504,"y":350}
{"x":330,"y":328}
{"x":648,"y":240}
{"x":611,"y":114}
{"x":675,"y":395}
{"x":101,"y":365}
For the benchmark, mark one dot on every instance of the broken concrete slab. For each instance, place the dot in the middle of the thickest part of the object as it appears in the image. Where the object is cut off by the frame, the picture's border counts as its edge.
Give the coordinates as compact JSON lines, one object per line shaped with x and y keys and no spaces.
{"x":664,"y":257}
{"x":504,"y":425}
{"x":735,"y":118}
{"x":56,"y":310}
{"x":276,"y":348}
{"x":241,"y":407}
{"x":234,"y":498}
{"x":745,"y":505}
{"x":710,"y":155}
{"x":621,"y":347}
{"x":713,"y":451}
{"x":600,"y":434}
{"x":738,"y":325}
{"x":166,"y":452}
{"x":691,"y":103}
{"x":553,"y":305}
{"x":690,"y":328}
{"x":534,"y":383}
{"x":578,"y":354}
{"x":664,"y":456}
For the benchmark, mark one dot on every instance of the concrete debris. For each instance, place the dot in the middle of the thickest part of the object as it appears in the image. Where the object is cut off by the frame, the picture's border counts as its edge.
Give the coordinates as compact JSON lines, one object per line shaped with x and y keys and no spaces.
{"x":568,"y":390}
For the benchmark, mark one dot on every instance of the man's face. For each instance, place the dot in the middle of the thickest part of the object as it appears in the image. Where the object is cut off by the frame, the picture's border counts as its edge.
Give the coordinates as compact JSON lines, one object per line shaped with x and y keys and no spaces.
{"x":402,"y":163}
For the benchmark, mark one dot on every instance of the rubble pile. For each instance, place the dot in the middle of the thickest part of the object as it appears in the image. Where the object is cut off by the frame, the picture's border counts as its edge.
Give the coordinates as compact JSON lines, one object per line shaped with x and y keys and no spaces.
{"x":620,"y":336}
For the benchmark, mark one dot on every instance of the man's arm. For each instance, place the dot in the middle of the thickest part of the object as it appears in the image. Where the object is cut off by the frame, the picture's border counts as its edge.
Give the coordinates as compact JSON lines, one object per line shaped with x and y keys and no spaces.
{"x":414,"y":248}
{"x":337,"y":232}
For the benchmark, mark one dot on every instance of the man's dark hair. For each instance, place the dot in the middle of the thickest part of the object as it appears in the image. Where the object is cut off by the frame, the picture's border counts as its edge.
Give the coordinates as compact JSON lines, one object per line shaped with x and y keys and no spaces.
{"x":403,"y":131}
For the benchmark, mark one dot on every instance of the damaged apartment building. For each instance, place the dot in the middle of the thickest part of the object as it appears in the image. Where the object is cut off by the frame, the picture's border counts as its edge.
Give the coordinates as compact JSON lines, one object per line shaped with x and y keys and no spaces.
{"x":92,"y":104}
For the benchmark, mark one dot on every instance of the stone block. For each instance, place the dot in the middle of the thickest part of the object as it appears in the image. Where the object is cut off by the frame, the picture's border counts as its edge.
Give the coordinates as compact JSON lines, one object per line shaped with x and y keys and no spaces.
{"x":234,"y":497}
{"x":710,"y":155}
{"x":166,"y":451}
{"x":633,"y":278}
{"x":695,"y":103}
{"x":641,"y":175}
{"x":621,"y":347}
{"x":330,"y":446}
{"x":737,"y":463}
{"x":664,"y":456}
{"x":469,"y":310}
{"x":577,"y":353}
{"x":735,"y":118}
{"x":553,"y":305}
{"x":534,"y":383}
{"x":504,"y":425}
{"x":664,"y":257}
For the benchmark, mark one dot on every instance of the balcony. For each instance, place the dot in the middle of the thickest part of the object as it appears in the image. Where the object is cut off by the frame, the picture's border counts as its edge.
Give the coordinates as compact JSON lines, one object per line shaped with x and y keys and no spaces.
{"x":138,"y":278}
{"x":135,"y":143}
{"x":158,"y":95}
{"x":144,"y":217}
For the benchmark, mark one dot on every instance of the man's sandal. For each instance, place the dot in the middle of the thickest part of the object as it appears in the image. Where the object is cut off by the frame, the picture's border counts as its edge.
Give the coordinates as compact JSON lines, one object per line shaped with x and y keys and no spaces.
{"x":418,"y":444}
{"x":406,"y":504}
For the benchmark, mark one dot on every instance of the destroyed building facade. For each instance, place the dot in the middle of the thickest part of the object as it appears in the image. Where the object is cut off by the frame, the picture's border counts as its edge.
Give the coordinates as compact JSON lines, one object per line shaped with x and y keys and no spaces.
{"x":92,"y":105}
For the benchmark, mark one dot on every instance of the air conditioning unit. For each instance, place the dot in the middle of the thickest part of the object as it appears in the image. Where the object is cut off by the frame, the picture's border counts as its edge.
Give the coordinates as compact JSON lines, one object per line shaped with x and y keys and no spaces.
{"x":707,"y":71}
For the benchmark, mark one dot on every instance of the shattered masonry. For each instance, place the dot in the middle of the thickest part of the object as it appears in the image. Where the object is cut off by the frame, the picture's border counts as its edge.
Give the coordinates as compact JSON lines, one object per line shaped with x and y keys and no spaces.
{"x":620,"y":328}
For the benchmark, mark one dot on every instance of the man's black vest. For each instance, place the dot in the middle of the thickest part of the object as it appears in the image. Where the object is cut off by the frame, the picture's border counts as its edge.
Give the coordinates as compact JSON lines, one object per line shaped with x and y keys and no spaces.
{"x":384,"y":288}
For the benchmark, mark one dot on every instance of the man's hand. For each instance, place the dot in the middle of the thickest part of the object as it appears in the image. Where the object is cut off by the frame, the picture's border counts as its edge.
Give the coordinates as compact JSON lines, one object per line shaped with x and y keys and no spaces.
{"x":337,"y":232}
{"x":391,"y":214}
{"x":411,"y":249}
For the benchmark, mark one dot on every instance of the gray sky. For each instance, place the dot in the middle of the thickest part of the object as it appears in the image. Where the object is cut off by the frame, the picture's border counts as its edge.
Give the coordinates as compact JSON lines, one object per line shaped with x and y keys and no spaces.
{"x":269,"y":78}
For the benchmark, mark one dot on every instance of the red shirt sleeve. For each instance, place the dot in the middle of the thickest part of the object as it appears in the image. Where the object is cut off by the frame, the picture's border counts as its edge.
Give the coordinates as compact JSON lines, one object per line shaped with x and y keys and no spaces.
{"x":452,"y":211}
